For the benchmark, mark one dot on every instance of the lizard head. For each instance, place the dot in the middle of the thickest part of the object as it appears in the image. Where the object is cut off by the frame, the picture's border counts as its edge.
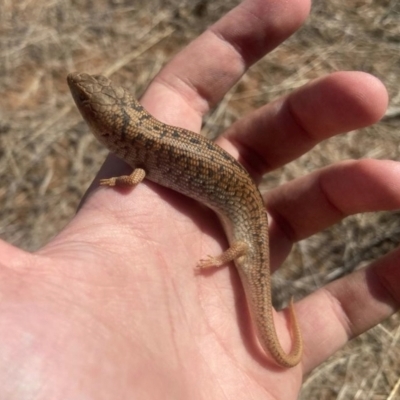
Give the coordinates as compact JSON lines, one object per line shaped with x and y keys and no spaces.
{"x":99,"y":101}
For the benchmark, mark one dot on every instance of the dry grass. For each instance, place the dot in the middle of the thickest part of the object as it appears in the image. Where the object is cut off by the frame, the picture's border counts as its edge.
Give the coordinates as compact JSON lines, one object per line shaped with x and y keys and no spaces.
{"x":48,"y":158}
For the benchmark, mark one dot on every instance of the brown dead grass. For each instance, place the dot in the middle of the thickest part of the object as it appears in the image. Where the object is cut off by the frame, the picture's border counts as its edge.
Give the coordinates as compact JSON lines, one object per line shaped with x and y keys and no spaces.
{"x":48,"y":159}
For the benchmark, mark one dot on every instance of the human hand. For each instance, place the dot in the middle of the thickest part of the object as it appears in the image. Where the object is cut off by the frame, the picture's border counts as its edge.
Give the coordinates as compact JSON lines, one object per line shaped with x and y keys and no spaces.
{"x":112,"y":306}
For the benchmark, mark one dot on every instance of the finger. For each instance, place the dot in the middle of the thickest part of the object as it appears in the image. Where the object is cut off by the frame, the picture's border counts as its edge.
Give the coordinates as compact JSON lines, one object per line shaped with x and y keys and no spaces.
{"x":348,"y":307}
{"x":287,"y":128}
{"x":200,"y":75}
{"x":310,"y":204}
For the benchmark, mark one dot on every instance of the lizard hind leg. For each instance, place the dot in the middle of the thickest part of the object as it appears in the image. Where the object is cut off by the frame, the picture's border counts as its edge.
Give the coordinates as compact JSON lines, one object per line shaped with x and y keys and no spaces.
{"x":236,"y":250}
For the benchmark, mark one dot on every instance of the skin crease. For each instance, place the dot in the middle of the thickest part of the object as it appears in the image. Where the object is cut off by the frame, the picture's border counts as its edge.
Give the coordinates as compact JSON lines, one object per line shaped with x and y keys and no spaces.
{"x":112,"y":308}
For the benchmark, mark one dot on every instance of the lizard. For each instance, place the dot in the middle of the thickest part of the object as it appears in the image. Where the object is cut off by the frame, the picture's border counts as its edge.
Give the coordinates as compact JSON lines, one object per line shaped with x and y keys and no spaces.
{"x":195,"y":166}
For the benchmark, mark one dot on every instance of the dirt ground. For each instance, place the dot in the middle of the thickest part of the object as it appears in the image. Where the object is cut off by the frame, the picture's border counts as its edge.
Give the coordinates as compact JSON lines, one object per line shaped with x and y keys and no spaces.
{"x":48,"y":158}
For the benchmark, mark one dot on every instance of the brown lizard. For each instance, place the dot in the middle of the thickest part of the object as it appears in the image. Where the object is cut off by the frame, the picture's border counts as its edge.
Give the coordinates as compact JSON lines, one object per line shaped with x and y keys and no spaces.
{"x":196,"y":167}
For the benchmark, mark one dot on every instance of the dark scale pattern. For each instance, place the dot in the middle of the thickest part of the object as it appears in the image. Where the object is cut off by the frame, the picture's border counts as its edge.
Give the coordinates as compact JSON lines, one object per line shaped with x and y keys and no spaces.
{"x":194,"y":166}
